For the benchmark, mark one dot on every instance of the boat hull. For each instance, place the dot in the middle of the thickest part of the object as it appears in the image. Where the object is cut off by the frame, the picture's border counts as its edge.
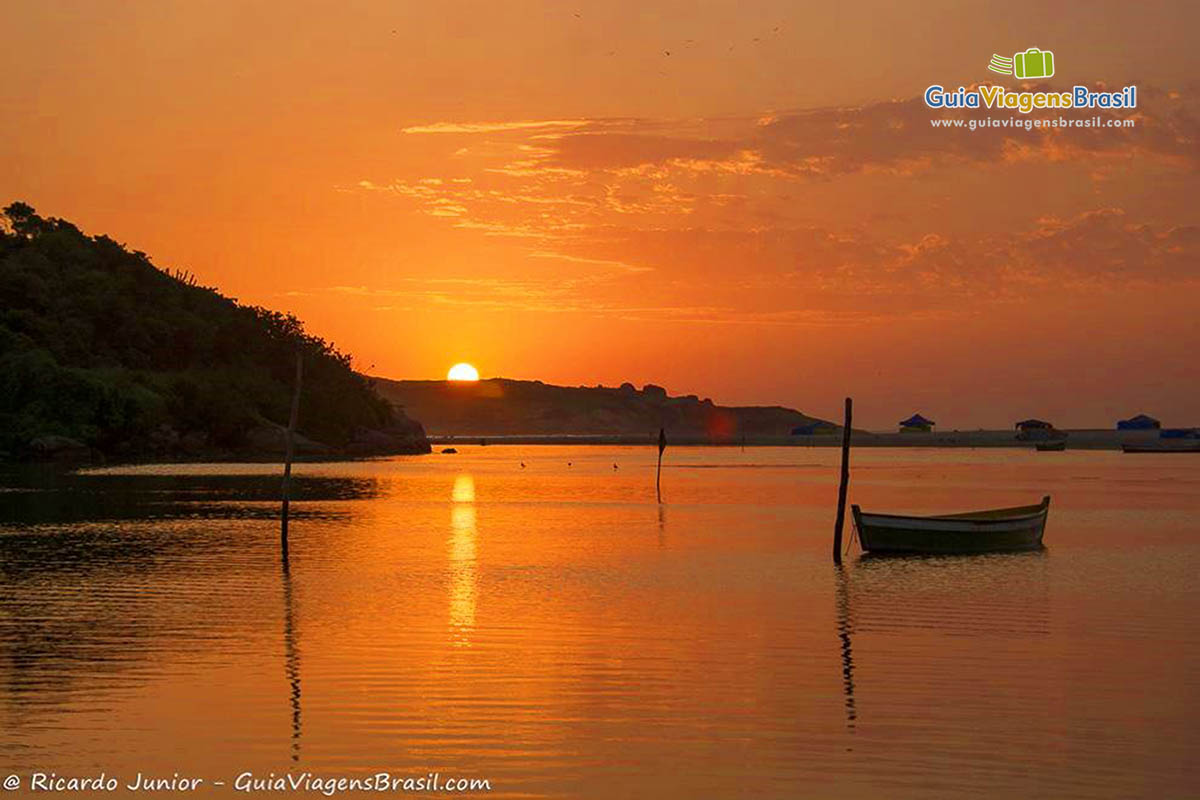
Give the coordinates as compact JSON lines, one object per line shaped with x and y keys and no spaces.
{"x":998,"y":531}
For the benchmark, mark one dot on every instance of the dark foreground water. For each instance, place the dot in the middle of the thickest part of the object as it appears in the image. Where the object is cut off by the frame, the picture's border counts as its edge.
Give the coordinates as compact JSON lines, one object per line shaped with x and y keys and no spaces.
{"x":554,"y":631}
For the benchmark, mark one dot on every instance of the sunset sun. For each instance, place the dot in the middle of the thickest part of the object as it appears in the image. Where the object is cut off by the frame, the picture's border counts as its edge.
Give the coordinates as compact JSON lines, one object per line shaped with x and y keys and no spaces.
{"x":462,"y":372}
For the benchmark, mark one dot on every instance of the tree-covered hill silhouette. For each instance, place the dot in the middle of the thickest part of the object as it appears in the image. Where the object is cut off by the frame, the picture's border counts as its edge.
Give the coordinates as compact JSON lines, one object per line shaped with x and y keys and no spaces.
{"x":100,"y":346}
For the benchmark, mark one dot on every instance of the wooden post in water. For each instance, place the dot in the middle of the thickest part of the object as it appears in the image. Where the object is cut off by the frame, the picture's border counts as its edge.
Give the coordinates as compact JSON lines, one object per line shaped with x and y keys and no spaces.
{"x":662,"y":445}
{"x":841,"y":508}
{"x":287,"y":458}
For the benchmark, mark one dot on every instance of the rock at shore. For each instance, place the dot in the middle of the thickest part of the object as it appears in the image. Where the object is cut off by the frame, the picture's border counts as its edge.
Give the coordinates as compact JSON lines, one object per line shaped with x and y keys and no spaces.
{"x":62,"y":449}
{"x":271,"y":438}
{"x":404,"y":436}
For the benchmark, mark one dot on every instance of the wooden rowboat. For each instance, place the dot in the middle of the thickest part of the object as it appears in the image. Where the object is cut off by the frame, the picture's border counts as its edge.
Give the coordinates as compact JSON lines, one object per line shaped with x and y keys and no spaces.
{"x":996,"y":530}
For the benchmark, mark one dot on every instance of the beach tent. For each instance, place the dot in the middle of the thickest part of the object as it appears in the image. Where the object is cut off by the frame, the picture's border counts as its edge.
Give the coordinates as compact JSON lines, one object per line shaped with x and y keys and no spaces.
{"x":916,"y":423}
{"x":1139,"y":423}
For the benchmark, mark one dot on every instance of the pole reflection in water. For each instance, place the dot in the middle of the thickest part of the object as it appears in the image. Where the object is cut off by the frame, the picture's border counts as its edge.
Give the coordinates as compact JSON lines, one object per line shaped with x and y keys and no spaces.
{"x":291,"y":658}
{"x":845,"y":626}
{"x":462,"y":560}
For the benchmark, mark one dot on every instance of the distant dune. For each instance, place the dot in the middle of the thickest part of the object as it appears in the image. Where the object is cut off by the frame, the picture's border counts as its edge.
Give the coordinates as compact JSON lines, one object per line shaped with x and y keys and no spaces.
{"x":503,"y":407}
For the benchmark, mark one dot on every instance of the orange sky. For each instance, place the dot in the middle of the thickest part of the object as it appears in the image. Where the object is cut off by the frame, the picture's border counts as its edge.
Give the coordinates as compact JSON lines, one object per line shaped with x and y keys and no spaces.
{"x":764,"y":215}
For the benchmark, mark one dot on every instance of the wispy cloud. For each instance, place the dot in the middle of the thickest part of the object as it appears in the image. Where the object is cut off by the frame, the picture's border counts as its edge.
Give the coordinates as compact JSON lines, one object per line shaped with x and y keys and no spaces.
{"x":495,"y":127}
{"x":599,"y":262}
{"x":678,"y":212}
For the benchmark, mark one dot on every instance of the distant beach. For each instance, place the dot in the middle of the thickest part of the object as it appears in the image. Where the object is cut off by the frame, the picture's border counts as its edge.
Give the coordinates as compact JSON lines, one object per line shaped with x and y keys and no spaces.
{"x":1077,"y":439}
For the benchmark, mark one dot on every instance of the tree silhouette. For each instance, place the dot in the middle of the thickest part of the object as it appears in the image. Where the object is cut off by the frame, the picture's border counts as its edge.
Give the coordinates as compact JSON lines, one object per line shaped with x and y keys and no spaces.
{"x":98,"y":344}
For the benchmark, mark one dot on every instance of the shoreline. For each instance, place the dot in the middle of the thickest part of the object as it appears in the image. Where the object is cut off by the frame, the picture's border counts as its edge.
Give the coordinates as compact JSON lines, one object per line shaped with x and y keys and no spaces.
{"x":1077,"y":439}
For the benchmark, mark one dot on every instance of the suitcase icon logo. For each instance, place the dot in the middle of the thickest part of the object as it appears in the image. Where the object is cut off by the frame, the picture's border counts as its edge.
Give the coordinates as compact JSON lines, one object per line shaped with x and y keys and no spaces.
{"x":1033,"y":63}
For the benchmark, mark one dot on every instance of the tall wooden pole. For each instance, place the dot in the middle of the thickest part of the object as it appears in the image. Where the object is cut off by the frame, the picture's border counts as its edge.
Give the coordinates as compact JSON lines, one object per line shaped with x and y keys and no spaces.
{"x":841,"y":508}
{"x":662,"y":445}
{"x":287,"y":459}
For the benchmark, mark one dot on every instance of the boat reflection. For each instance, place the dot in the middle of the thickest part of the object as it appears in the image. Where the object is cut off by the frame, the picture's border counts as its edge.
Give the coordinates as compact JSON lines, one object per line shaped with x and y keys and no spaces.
{"x":937,"y":597}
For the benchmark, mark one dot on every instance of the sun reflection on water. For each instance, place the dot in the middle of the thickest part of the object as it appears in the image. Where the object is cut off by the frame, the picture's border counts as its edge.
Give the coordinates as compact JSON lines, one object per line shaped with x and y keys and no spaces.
{"x":463,"y":578}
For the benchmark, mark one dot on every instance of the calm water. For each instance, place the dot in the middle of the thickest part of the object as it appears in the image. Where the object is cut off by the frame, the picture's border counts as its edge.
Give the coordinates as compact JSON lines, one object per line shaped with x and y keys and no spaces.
{"x":555,"y":631}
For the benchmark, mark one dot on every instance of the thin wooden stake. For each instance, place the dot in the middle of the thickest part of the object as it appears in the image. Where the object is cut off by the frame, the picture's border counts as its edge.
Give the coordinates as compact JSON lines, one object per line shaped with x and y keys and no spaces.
{"x":287,"y":459}
{"x":662,"y":445}
{"x":841,"y":508}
